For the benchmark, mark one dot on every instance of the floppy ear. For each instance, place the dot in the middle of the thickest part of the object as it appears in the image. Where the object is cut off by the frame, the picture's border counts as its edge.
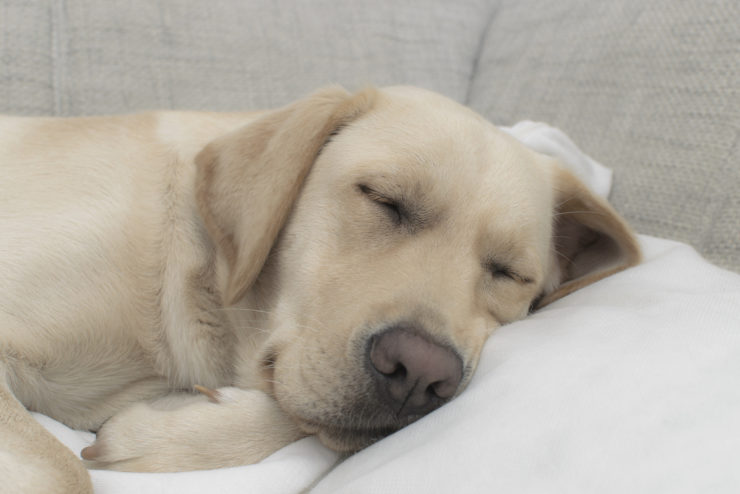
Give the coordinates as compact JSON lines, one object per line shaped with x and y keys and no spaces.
{"x":247,"y":180}
{"x":590,"y":240}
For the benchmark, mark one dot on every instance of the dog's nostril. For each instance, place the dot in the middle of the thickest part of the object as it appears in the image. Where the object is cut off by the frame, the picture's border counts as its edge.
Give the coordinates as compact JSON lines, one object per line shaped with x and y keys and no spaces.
{"x":444,"y":389}
{"x":432,"y":392}
{"x":414,"y":374}
{"x":398,"y":373}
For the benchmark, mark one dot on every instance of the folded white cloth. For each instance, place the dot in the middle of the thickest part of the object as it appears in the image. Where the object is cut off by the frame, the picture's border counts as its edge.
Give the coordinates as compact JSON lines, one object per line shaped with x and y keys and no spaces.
{"x":553,"y":142}
{"x":628,"y":385}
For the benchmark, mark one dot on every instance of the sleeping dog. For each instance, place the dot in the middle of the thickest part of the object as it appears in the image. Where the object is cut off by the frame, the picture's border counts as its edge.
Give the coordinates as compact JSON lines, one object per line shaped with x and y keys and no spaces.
{"x":332,"y":267}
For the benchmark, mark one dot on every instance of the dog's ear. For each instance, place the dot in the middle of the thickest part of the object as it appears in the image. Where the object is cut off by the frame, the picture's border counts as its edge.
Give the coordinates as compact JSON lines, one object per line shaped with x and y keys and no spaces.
{"x":248,"y":180}
{"x":590,"y":240}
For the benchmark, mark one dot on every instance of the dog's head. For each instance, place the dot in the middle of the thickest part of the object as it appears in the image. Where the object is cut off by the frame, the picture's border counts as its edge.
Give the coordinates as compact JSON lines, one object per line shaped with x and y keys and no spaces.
{"x":386,"y":234}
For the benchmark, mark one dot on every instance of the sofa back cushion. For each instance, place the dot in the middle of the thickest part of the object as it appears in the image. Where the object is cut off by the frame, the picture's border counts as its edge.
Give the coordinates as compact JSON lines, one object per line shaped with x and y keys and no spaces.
{"x":84,"y":57}
{"x":650,"y":89}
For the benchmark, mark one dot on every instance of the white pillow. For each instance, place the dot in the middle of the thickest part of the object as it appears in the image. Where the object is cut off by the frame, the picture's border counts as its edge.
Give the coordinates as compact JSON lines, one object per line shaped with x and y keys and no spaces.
{"x":631,"y":385}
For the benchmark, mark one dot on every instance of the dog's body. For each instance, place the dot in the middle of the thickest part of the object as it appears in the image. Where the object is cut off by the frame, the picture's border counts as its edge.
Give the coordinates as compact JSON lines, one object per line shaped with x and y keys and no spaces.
{"x":144,"y":255}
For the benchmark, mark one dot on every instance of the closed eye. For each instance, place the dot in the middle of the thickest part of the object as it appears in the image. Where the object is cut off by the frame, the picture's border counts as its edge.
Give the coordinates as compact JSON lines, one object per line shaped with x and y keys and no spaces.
{"x":389,"y":205}
{"x":500,"y":271}
{"x":503,"y":271}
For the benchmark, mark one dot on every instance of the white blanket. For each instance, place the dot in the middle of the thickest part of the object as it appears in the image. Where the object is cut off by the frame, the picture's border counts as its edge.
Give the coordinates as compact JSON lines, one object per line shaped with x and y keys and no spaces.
{"x":629,"y":385}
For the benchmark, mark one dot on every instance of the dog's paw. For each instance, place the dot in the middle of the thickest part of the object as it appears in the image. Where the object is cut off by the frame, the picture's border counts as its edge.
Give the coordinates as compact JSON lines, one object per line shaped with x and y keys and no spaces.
{"x":130,"y":441}
{"x":224,"y":427}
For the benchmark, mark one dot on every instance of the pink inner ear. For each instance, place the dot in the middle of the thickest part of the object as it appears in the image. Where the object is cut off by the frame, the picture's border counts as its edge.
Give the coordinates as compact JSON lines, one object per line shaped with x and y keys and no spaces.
{"x":590,"y":240}
{"x":582,"y":250}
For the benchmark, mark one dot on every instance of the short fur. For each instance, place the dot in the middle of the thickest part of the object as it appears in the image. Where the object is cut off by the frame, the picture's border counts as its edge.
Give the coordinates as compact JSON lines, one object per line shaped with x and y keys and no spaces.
{"x":255,"y":254}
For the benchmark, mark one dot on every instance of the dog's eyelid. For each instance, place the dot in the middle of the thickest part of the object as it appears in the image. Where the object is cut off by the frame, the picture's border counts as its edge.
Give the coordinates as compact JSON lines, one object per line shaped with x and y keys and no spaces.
{"x":392,"y":205}
{"x":499,"y":269}
{"x":374,"y":194}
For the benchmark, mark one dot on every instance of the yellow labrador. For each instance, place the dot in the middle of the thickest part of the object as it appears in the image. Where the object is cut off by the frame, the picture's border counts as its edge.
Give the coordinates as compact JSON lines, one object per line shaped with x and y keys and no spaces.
{"x":332,"y":267}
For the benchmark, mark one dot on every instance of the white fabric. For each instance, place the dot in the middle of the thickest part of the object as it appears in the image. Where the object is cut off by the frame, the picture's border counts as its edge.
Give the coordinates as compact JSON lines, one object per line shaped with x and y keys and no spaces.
{"x":629,"y":385}
{"x":289,"y":470}
{"x":553,"y":142}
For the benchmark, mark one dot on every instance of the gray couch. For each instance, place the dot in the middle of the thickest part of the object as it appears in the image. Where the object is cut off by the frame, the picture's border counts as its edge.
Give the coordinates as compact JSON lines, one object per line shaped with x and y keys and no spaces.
{"x":651,"y":89}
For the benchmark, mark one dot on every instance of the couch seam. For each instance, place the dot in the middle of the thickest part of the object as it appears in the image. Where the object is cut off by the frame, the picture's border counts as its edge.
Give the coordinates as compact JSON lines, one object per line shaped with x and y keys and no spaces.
{"x":479,"y":49}
{"x":58,"y":63}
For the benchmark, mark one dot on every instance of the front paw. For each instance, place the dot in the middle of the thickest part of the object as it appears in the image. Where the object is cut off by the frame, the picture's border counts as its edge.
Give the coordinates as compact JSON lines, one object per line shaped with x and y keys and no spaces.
{"x":229,"y":427}
{"x":128,"y":441}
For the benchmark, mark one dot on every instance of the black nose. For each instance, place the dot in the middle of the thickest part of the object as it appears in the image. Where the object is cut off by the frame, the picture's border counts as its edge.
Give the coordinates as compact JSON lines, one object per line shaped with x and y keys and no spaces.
{"x":414,"y":374}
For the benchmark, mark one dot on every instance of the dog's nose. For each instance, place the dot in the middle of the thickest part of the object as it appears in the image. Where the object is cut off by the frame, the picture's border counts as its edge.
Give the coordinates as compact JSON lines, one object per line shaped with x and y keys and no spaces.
{"x":414,"y":374}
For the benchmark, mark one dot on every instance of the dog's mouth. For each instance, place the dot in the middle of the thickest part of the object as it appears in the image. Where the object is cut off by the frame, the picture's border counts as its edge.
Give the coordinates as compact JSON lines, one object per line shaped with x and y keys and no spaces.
{"x":354,"y":428}
{"x":347,"y":439}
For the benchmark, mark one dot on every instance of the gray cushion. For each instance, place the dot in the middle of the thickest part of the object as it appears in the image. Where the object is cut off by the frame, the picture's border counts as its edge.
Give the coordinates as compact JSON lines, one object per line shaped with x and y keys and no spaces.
{"x":88,"y":57}
{"x":26,"y":58}
{"x":651,"y":89}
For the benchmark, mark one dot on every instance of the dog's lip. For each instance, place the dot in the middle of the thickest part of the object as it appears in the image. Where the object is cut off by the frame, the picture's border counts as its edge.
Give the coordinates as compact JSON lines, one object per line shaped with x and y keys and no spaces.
{"x":345,"y":438}
{"x":337,"y":431}
{"x":314,"y":426}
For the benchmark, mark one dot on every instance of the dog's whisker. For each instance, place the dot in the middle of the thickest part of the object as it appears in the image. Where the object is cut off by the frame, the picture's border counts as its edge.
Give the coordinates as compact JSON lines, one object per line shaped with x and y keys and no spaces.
{"x":256,"y":328}
{"x":245,"y":309}
{"x":560,"y":254}
{"x":565,"y":213}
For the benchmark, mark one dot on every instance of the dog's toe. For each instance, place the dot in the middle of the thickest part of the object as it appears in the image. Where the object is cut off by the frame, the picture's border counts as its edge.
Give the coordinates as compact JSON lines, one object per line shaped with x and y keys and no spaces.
{"x":92,"y":452}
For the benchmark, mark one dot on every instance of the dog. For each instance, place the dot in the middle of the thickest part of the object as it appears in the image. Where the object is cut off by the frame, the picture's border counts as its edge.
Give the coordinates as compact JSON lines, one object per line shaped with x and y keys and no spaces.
{"x":329,"y":268}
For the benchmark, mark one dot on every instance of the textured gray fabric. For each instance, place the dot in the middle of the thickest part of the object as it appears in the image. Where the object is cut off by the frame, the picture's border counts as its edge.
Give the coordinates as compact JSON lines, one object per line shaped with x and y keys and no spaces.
{"x":92,"y":57}
{"x":26,"y":58}
{"x":651,"y":89}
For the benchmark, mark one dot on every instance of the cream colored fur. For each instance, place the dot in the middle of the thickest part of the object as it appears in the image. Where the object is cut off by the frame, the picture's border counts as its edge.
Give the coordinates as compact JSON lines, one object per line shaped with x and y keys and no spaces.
{"x":255,"y":253}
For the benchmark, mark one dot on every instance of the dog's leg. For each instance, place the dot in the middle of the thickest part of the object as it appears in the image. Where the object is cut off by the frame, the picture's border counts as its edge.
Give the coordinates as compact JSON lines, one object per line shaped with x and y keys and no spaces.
{"x":229,"y":427}
{"x":31,"y":459}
